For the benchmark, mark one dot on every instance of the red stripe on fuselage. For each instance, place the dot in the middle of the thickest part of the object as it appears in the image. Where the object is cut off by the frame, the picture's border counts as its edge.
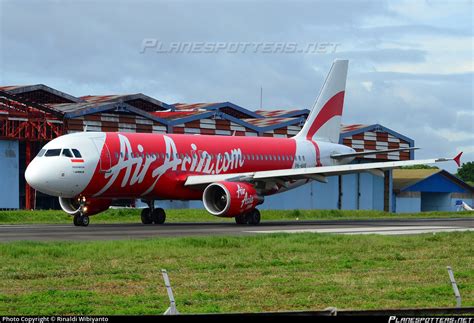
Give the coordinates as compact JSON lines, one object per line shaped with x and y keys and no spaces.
{"x":318,"y":153}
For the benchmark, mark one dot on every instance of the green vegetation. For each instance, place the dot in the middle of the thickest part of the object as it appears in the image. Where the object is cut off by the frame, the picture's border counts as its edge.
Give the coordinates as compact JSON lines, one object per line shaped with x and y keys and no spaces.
{"x":419,"y":167}
{"x":197,"y":215}
{"x":275,"y":272}
{"x":466,"y":172}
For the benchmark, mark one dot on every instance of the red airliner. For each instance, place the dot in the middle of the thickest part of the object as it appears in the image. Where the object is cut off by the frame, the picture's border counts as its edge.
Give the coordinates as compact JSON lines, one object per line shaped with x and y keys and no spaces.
{"x":231,"y":174}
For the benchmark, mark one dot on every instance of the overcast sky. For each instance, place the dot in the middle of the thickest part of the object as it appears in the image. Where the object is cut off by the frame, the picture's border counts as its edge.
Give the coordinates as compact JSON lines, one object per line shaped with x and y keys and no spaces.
{"x":411,"y":62}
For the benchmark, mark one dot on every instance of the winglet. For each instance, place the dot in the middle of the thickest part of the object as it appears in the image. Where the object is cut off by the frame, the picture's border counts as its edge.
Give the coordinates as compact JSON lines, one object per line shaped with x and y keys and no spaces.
{"x":457,"y":159}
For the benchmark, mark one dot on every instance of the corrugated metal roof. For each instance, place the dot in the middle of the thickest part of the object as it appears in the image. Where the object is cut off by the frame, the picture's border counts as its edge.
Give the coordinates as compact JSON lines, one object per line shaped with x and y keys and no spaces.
{"x":282,"y":113}
{"x":266,"y":122}
{"x":406,"y":177}
{"x":138,"y":100}
{"x":174,"y":115}
{"x":194,"y":106}
{"x":68,"y":107}
{"x":102,"y":98}
{"x":11,"y":87}
{"x":24,"y":90}
{"x":228,"y":108}
{"x":352,"y":127}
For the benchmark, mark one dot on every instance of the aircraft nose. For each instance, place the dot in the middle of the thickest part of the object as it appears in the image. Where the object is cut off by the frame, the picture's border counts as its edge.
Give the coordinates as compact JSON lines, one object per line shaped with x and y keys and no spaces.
{"x":33,"y":176}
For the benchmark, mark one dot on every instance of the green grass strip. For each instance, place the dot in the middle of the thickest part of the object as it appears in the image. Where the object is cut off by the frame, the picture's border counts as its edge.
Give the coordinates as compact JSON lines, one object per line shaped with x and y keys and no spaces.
{"x":278,"y":272}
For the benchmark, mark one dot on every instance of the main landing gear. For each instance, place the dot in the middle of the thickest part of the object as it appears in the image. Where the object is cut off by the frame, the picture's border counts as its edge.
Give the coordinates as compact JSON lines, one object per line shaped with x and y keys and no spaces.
{"x":251,"y":217}
{"x":153,"y":215}
{"x":81,"y":220}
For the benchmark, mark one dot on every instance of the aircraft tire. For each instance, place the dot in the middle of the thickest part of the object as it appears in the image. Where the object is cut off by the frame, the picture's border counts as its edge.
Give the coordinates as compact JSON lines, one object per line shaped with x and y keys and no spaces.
{"x":158,"y":216}
{"x":253,"y":217}
{"x":76,"y":220}
{"x":146,"y":216}
{"x":85,"y":221}
{"x":241,"y":219}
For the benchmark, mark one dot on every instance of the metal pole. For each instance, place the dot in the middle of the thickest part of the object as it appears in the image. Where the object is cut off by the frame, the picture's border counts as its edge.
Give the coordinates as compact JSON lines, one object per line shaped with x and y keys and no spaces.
{"x":29,"y":197}
{"x":172,"y":310}
{"x":455,"y":287}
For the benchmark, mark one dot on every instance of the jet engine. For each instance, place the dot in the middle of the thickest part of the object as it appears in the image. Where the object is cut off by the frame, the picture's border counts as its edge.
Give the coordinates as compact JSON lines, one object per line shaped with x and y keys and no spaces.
{"x":91,"y":205}
{"x":230,"y":199}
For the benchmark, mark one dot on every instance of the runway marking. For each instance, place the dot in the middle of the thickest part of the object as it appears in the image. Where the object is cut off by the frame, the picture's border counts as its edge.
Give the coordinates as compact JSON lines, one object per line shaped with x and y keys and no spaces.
{"x":371,"y":230}
{"x":32,"y":226}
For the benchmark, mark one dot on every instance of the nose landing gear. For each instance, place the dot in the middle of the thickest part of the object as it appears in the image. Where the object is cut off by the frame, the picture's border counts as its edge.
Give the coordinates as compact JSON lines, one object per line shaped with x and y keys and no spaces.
{"x":154,"y":215}
{"x":81,"y":219}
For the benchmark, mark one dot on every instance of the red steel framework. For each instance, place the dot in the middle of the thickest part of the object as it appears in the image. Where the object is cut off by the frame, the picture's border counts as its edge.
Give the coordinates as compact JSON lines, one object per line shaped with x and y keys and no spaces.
{"x":29,"y":122}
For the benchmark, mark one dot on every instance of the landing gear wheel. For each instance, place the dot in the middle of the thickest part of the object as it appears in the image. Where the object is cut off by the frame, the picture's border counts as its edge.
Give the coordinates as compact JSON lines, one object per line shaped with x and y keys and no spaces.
{"x":76,"y":220}
{"x":158,"y":216}
{"x":146,"y":216}
{"x":241,"y":219}
{"x":80,"y":220}
{"x":253,"y":217}
{"x":85,"y":221}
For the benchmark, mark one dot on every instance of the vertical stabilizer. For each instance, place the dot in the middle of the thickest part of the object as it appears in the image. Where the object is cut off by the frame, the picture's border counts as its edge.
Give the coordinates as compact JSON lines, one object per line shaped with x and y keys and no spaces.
{"x":324,"y":120}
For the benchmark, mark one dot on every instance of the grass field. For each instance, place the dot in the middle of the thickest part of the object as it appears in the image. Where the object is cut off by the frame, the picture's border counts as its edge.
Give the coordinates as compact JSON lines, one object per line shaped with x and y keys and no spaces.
{"x":198,"y":215}
{"x":235,"y":274}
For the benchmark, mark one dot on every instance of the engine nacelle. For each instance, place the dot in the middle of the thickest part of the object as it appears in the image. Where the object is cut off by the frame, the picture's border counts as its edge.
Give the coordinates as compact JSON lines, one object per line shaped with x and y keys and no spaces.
{"x":92,"y":206}
{"x":229,"y":199}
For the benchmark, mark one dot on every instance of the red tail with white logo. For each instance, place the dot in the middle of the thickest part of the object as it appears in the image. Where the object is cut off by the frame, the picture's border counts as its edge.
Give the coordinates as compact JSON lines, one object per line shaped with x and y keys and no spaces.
{"x":324,"y":121}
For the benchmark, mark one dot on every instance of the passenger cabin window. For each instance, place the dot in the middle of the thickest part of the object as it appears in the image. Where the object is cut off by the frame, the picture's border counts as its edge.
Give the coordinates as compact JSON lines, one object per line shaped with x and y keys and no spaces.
{"x":76,"y":153}
{"x":52,"y":152}
{"x":41,"y":153}
{"x":67,"y":153}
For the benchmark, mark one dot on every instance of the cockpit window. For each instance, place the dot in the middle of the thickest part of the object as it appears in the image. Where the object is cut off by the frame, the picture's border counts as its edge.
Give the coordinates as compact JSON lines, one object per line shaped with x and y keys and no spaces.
{"x":52,"y":152}
{"x":67,"y":153}
{"x":76,"y":152}
{"x":41,"y":153}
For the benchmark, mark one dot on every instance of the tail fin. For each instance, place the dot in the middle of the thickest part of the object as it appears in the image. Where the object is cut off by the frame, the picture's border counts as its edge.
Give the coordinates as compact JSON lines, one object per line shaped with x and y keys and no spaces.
{"x":324,"y":120}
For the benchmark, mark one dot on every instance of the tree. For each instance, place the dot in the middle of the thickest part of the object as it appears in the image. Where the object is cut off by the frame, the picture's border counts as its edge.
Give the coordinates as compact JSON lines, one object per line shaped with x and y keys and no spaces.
{"x":466,"y":172}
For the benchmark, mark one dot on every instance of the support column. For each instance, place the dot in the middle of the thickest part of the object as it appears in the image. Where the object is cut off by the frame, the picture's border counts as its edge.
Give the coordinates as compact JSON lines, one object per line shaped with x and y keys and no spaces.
{"x":339,"y":198}
{"x":386,"y":191}
{"x":29,"y":192}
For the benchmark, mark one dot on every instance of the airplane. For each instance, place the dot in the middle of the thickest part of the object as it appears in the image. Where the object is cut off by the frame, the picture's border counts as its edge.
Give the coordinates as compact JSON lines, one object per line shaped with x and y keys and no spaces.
{"x":230,"y":174}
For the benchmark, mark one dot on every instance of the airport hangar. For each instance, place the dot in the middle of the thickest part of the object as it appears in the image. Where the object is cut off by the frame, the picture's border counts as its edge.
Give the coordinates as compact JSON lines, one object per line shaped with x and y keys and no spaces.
{"x":32,"y":115}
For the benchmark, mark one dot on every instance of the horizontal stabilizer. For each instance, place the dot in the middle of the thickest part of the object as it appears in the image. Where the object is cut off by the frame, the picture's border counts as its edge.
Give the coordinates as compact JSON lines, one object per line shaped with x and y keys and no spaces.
{"x":370,"y":152}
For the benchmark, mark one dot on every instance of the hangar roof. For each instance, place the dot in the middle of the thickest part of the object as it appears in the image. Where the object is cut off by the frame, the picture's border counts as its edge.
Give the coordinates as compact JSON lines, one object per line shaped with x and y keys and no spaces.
{"x":226,"y":107}
{"x":428,"y":180}
{"x":283,"y":113}
{"x":40,"y":93}
{"x":138,"y":100}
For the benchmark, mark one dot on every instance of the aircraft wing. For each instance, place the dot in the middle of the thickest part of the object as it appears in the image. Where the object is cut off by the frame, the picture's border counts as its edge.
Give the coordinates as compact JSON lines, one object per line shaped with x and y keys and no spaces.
{"x":315,"y":173}
{"x":371,"y":152}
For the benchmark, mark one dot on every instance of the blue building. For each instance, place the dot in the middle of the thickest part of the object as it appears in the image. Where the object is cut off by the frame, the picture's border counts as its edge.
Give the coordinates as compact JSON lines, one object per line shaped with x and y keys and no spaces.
{"x":421,"y":190}
{"x":9,"y":174}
